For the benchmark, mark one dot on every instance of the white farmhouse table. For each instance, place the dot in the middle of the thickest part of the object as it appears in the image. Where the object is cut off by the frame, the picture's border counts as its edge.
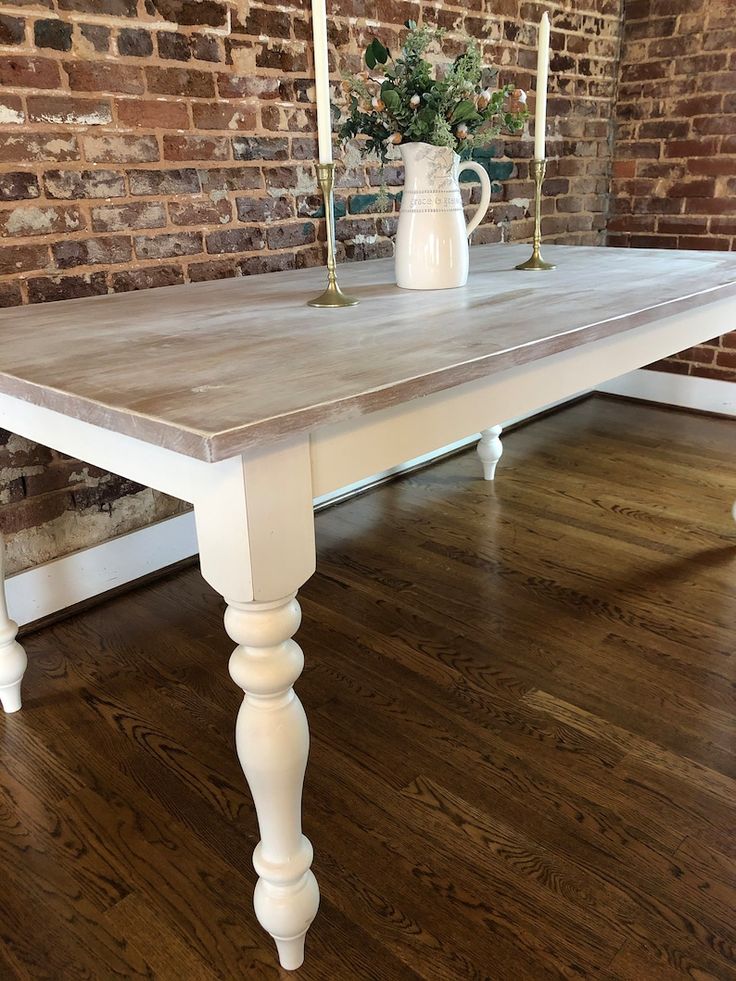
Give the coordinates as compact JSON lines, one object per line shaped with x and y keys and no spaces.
{"x":238,"y":398}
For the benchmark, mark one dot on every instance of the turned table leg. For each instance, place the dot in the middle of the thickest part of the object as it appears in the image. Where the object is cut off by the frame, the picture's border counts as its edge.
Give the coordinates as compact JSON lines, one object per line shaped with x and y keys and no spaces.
{"x":272,"y":740}
{"x":490,"y":449}
{"x":255,"y":526}
{"x":13,"y":658}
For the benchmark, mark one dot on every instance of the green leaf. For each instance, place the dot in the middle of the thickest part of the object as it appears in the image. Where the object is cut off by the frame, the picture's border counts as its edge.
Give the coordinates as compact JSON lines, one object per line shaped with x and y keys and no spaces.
{"x":411,"y":25}
{"x":464,"y":111}
{"x":376,"y":54}
{"x":390,"y":96}
{"x":380,"y":52}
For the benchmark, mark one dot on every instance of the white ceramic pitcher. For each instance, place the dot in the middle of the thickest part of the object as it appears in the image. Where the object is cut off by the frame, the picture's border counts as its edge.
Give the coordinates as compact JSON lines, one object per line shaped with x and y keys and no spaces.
{"x":432,"y":238}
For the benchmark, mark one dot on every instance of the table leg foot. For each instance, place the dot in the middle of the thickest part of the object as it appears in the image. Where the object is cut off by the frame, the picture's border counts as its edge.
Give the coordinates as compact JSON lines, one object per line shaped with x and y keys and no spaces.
{"x":272,"y":739}
{"x":490,"y":450}
{"x":13,"y":660}
{"x":291,"y":952}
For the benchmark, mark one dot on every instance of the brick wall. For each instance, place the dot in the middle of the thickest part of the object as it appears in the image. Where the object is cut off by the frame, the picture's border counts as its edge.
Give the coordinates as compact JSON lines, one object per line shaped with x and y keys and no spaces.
{"x":674,"y":170}
{"x":146,"y":143}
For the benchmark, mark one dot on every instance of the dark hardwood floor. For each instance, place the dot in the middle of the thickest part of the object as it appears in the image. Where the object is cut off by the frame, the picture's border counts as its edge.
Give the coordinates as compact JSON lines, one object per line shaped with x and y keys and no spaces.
{"x":521,"y":699}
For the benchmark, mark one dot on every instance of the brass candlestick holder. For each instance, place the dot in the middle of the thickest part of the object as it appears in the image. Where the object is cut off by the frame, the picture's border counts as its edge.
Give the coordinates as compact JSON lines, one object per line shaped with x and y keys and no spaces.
{"x":333,"y":296}
{"x":535,"y":260}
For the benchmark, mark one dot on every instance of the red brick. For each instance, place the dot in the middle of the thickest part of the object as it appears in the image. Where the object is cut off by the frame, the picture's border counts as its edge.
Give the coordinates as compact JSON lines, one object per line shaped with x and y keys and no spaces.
{"x":180,"y":82}
{"x":723,"y":226}
{"x":653,"y":241}
{"x":119,"y":217}
{"x":52,"y":33}
{"x":269,"y":209}
{"x":147,"y":278}
{"x":18,"y":71}
{"x":183,"y":181}
{"x":202,"y":211}
{"x":200,"y":272}
{"x":70,"y":184}
{"x":28,"y":220}
{"x":19,"y":147}
{"x":104,"y":250}
{"x":247,"y":86}
{"x":191,"y":13}
{"x":260,"y":148}
{"x":705,"y":147}
{"x":174,"y":46}
{"x":97,"y":36}
{"x":268,"y":22}
{"x":223,"y":116}
{"x":12,"y":30}
{"x":236,"y":240}
{"x":168,"y":245}
{"x":32,"y":512}
{"x":206,"y":48}
{"x":152,"y":114}
{"x":135,"y":43}
{"x":11,"y":110}
{"x":291,"y":235}
{"x":682,"y":225}
{"x":47,"y":288}
{"x":701,"y":354}
{"x":285,"y":58}
{"x":113,"y":8}
{"x":230,"y":179}
{"x":706,"y":165}
{"x":101,"y":76}
{"x":18,"y":185}
{"x":120,"y":148}
{"x":693,"y":189}
{"x":68,"y":110}
{"x":701,"y":242}
{"x":196,"y":147}
{"x":21,"y":258}
{"x":726,"y":359}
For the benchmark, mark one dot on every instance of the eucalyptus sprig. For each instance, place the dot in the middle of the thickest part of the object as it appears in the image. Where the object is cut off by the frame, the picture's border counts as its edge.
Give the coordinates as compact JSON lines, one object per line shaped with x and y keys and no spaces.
{"x":407,"y":99}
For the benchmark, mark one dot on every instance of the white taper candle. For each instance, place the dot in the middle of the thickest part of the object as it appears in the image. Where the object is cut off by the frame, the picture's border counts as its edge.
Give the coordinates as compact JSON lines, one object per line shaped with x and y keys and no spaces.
{"x":322,"y":80}
{"x":540,"y":117}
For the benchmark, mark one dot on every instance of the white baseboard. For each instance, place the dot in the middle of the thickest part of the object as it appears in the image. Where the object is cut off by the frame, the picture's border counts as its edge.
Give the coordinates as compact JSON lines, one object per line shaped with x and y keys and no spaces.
{"x":56,"y":585}
{"x":685,"y":391}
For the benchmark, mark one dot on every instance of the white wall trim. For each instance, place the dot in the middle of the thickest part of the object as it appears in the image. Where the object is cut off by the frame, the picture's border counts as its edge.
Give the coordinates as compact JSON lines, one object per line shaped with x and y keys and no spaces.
{"x":55,"y":585}
{"x":64,"y":582}
{"x":684,"y":391}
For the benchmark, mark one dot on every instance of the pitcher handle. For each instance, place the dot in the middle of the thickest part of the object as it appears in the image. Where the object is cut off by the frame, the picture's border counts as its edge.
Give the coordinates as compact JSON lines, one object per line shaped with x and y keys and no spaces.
{"x":485,"y":193}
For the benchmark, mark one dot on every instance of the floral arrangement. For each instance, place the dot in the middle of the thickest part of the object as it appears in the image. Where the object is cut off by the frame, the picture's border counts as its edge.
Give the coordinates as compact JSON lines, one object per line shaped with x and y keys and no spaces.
{"x":409,"y":100}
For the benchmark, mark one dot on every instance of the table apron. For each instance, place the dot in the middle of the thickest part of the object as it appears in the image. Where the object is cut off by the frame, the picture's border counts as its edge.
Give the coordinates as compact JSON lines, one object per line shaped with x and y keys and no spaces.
{"x":352,"y":450}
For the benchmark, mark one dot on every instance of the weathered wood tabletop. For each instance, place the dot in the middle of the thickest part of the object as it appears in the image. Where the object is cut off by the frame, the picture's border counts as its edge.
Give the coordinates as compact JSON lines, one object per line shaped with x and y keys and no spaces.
{"x":210,"y":369}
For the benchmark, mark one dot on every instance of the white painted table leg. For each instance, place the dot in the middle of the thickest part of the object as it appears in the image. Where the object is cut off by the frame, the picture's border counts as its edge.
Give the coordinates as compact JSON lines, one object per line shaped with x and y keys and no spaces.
{"x":490,"y":450}
{"x":272,"y":740}
{"x":13,"y":660}
{"x":255,"y":526}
